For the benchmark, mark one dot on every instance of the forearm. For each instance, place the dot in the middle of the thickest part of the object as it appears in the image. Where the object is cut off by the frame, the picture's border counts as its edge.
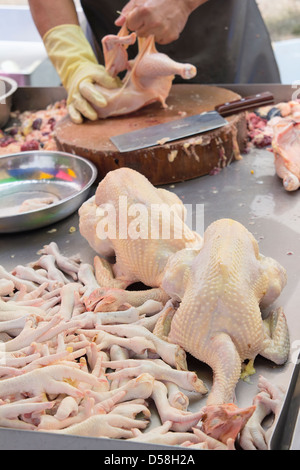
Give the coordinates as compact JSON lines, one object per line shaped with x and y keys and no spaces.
{"x":48,"y":14}
{"x":193,"y":4}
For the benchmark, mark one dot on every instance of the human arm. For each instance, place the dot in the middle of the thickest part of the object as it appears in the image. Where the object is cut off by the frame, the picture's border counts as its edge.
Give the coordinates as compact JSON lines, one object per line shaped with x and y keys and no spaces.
{"x":48,"y":15}
{"x":164,"y":19}
{"x":72,"y":56}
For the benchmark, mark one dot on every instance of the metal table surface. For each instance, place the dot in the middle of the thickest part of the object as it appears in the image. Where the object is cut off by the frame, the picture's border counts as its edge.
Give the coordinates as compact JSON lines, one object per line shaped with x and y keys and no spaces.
{"x":248,"y":191}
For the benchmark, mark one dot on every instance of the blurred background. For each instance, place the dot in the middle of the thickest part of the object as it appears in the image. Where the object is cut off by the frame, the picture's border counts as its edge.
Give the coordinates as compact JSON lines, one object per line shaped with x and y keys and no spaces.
{"x":282,"y":18}
{"x":23,"y":56}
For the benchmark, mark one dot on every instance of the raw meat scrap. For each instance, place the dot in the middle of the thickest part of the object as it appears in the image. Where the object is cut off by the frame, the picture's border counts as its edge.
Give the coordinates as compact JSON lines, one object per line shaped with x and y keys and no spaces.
{"x":34,"y":130}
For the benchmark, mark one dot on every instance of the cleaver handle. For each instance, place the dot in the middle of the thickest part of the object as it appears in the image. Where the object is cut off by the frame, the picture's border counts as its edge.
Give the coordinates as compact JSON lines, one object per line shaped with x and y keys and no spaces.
{"x":245,"y":104}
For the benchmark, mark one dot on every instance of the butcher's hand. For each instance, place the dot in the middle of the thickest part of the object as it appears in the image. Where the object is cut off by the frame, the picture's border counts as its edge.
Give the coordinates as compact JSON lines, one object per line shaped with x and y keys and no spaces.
{"x":79,"y":71}
{"x":164,"y":19}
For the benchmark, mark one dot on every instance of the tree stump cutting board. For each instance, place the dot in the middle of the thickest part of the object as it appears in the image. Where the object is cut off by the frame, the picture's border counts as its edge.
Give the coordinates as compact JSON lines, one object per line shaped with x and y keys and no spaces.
{"x":167,"y":163}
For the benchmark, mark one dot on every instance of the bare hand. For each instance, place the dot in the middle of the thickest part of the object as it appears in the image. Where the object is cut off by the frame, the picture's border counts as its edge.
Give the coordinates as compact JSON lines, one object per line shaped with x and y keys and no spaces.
{"x":161,"y":18}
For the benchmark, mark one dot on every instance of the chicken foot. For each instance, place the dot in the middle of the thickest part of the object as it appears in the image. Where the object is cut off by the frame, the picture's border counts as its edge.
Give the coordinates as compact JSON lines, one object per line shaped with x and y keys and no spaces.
{"x":110,"y":299}
{"x":162,"y":435}
{"x":48,"y":379}
{"x":87,"y":277}
{"x":140,"y":387}
{"x":134,"y":367}
{"x":182,"y":420}
{"x":267,"y":401}
{"x":110,"y":425}
{"x":67,"y":265}
{"x":10,"y":412}
{"x":170,"y":353}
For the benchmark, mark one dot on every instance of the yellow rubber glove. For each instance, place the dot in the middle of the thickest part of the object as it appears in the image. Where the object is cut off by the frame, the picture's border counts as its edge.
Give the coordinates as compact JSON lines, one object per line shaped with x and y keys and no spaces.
{"x":78,"y":68}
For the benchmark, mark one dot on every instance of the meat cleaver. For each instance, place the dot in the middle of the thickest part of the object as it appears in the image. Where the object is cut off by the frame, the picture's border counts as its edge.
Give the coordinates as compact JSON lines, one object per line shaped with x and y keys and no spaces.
{"x":186,"y":127}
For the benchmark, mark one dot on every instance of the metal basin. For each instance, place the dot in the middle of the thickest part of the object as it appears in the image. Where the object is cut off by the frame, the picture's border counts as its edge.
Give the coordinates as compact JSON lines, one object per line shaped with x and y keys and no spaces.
{"x":58,"y":177}
{"x":7,"y":88}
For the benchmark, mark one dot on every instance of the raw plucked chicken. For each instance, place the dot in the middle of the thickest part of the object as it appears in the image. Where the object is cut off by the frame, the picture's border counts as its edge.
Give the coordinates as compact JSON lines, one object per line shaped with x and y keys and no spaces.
{"x":219,"y":319}
{"x":139,"y":258}
{"x":279,"y":128}
{"x":217,"y":291}
{"x":149,"y":76}
{"x":286,"y":148}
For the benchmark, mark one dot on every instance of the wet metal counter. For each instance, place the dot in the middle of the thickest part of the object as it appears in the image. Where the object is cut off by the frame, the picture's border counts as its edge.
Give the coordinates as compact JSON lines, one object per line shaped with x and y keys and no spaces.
{"x":248,"y":191}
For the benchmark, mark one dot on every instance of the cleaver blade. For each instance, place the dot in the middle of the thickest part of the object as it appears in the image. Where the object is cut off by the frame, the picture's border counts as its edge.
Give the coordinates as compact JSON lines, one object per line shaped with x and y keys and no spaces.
{"x":168,"y":132}
{"x":192,"y":125}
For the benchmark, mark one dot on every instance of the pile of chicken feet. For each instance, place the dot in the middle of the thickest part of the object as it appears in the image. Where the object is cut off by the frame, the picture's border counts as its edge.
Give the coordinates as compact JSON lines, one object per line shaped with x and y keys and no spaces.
{"x":55,"y":360}
{"x":55,"y":356}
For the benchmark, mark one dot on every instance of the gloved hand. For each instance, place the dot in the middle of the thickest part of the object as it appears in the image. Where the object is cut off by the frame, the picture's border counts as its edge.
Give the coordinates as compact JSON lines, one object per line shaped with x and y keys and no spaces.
{"x":161,"y":18}
{"x":77,"y":66}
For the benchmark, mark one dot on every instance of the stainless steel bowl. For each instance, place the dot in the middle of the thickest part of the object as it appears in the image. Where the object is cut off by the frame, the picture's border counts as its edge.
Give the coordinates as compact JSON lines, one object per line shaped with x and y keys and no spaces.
{"x":7,"y":88}
{"x":63,"y":178}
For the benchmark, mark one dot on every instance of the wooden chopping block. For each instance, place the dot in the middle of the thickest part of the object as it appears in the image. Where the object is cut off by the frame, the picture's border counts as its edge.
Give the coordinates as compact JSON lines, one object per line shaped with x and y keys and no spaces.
{"x":168,"y":163}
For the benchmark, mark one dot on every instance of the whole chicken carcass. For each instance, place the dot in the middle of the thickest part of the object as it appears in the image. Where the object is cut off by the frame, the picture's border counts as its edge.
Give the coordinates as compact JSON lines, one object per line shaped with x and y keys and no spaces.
{"x":141,"y":226}
{"x":149,"y":76}
{"x":219,"y":319}
{"x":286,"y":148}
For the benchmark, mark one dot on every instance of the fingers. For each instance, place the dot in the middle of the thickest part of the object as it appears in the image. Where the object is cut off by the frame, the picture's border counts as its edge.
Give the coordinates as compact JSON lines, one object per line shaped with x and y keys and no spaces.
{"x":105,"y":80}
{"x":135,"y":20}
{"x":138,"y":18}
{"x":144,"y":24}
{"x":123,"y":14}
{"x":80,"y":108}
{"x":152,"y":18}
{"x":120,"y":21}
{"x":92,"y":95}
{"x":85,"y":109}
{"x":88,"y":97}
